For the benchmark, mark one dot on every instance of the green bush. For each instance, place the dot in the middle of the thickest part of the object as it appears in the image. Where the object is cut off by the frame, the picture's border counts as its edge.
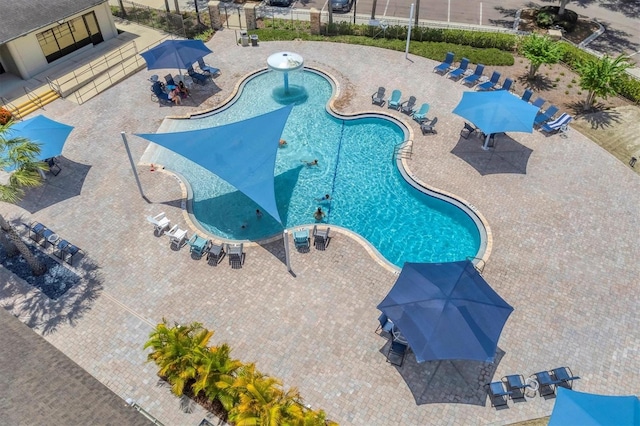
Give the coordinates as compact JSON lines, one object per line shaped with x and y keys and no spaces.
{"x":544,"y":19}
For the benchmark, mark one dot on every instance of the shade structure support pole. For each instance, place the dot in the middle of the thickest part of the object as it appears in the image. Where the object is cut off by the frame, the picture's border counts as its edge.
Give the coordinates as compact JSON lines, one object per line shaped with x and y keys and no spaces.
{"x":287,"y":255}
{"x":406,"y":50}
{"x":486,"y":142}
{"x":133,"y":165}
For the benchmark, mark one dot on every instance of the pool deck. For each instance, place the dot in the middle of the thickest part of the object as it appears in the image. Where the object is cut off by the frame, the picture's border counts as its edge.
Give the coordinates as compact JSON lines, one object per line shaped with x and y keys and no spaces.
{"x":565,"y":252}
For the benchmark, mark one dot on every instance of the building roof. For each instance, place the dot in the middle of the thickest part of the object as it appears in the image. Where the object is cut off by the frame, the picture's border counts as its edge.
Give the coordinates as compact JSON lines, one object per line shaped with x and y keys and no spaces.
{"x":21,"y":17}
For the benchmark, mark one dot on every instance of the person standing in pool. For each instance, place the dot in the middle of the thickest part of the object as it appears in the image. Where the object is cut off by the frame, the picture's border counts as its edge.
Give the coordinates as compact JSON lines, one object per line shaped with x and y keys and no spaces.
{"x":258,"y":214}
{"x":319,"y":214}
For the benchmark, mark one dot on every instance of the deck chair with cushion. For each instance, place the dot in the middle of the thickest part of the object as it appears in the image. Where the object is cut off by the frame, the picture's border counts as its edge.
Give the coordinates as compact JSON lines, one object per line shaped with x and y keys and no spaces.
{"x":539,"y":102}
{"x":421,"y":114}
{"x":36,"y":229}
{"x":515,"y":385}
{"x":429,"y":128}
{"x":301,"y":239}
{"x":506,"y":85}
{"x":169,"y":79}
{"x":196,"y":76}
{"x":545,"y":382}
{"x":407,"y":106}
{"x":320,"y":238}
{"x":206,"y":68}
{"x":560,"y":124}
{"x":475,"y":77}
{"x":396,"y":353}
{"x":527,"y":95}
{"x":159,"y":95}
{"x":563,"y":376}
{"x":467,"y":130}
{"x":215,"y":254}
{"x":378,"y":97}
{"x":462,"y":68}
{"x":497,"y":394}
{"x":160,"y":223}
{"x":236,"y":255}
{"x":386,"y":325}
{"x":65,"y":251}
{"x":488,"y":85}
{"x":394,"y":101}
{"x":444,"y":67}
{"x":547,"y":115}
{"x":177,"y":236}
{"x":198,"y":246}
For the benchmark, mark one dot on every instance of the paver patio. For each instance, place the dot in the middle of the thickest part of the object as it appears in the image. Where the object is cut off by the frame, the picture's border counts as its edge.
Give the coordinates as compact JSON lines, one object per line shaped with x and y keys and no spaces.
{"x":565,"y":255}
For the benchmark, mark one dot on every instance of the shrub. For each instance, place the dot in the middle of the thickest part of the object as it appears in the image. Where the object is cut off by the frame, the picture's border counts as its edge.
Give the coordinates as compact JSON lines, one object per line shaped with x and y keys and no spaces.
{"x":544,"y":19}
{"x":5,"y":116}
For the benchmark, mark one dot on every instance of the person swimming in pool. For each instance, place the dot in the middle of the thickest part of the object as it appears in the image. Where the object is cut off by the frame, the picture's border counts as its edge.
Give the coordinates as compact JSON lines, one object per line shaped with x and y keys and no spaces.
{"x":282,"y":143}
{"x":310,"y":163}
{"x":324,"y":199}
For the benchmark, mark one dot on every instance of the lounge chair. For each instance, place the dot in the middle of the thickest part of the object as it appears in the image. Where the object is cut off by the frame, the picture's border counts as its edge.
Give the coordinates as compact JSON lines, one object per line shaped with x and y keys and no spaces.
{"x":467,"y":130}
{"x":385,"y":326}
{"x":301,"y":239}
{"x":158,"y":94}
{"x":539,"y":102}
{"x":198,"y":246}
{"x":429,"y":128}
{"x":421,"y":114}
{"x":215,"y":254}
{"x":506,"y":85}
{"x":196,"y":76}
{"x":545,"y":382}
{"x":54,"y":168}
{"x":497,"y":394}
{"x":515,"y":385}
{"x":169,"y":79}
{"x":547,"y":115}
{"x":206,"y":68}
{"x":177,"y":236}
{"x":160,"y":223}
{"x":462,"y":68}
{"x":473,"y":78}
{"x":396,"y":353}
{"x":236,"y":255}
{"x":407,"y":106}
{"x":560,"y":124}
{"x":444,"y":67}
{"x":488,"y":85}
{"x":394,"y":101}
{"x":65,"y":251}
{"x":321,"y":238}
{"x":563,"y":376}
{"x":378,"y":97}
{"x":527,"y":95}
{"x":36,"y":230}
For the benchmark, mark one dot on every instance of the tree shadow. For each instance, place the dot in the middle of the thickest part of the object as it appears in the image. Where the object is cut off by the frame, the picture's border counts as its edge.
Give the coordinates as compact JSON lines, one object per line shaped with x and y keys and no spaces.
{"x":629,"y":8}
{"x":598,"y":116}
{"x":509,"y":17}
{"x":539,"y":83}
{"x":614,"y":41}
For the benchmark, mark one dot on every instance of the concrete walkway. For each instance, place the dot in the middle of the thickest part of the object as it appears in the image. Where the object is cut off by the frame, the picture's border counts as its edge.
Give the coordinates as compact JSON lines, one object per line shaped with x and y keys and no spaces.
{"x":565,"y":252}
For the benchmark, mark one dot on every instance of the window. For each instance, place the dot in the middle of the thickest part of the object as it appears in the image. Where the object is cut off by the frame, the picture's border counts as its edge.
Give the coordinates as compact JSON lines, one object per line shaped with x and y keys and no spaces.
{"x":69,"y":36}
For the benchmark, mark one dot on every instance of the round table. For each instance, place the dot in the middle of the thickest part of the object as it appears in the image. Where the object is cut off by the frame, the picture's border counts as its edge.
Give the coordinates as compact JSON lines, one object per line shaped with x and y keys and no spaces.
{"x":532,"y":387}
{"x":397,"y":335}
{"x":53,"y":238}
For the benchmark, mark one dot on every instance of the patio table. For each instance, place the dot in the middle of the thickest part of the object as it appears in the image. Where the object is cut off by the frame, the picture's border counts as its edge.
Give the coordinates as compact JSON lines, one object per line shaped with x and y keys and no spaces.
{"x":397,"y":335}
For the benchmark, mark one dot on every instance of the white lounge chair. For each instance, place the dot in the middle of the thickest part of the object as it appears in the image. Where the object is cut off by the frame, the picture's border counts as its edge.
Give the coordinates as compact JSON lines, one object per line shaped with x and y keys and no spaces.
{"x":560,"y":124}
{"x":178,"y":237}
{"x":160,"y":223}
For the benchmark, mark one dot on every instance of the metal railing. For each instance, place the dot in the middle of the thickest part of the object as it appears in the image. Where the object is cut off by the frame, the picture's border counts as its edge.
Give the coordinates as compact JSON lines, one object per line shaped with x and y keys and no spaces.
{"x":403,"y":150}
{"x":33,"y":97}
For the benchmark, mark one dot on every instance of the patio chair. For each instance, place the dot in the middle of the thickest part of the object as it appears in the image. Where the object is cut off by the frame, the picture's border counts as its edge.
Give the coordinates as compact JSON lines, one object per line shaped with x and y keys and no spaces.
{"x":563,"y":376}
{"x":506,"y":85}
{"x":444,"y":67}
{"x":515,"y":385}
{"x":539,"y":102}
{"x":473,"y":78}
{"x":396,"y":353}
{"x":421,"y":114}
{"x":236,"y":255}
{"x":488,"y":85}
{"x":527,"y":95}
{"x":467,"y":130}
{"x":301,"y":239}
{"x":394,"y":101}
{"x":160,"y":223}
{"x":169,"y":79}
{"x":560,"y":124}
{"x":547,"y":115}
{"x":386,"y":325}
{"x":407,"y":106}
{"x":35,"y":231}
{"x":429,"y":128}
{"x":378,"y":97}
{"x":497,"y":394}
{"x":196,"y":76}
{"x":54,"y":168}
{"x":206,"y":68}
{"x":159,"y":95}
{"x":65,"y":251}
{"x":320,"y":238}
{"x":462,"y":68}
{"x":177,"y":236}
{"x":545,"y":382}
{"x":215,"y":254}
{"x":198,"y":246}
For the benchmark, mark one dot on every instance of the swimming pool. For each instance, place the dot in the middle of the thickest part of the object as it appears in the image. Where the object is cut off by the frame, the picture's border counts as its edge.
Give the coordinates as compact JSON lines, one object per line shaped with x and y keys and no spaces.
{"x":356,"y":166}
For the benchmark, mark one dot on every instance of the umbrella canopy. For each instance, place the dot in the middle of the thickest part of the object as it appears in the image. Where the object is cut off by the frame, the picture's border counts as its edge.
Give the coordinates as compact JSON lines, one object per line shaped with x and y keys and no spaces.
{"x":497,"y":111}
{"x":585,"y":409}
{"x":175,"y":54}
{"x":50,"y":134}
{"x":242,"y":153}
{"x":446,"y":311}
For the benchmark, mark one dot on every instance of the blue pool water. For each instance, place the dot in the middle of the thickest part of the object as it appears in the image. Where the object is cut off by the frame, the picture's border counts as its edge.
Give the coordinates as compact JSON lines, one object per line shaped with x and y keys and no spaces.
{"x":368,"y":194}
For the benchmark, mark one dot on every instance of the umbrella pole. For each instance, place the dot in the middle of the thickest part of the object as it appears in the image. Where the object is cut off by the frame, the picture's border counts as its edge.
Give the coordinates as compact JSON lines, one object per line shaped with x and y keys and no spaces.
{"x":486,"y":142}
{"x":133,"y":165}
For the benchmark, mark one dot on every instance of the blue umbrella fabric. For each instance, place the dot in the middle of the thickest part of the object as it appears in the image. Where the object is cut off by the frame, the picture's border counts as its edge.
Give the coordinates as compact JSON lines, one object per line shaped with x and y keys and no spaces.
{"x":446,"y":311}
{"x":497,"y":111}
{"x":585,"y":409}
{"x":175,"y":54}
{"x":50,"y":134}
{"x":242,"y":153}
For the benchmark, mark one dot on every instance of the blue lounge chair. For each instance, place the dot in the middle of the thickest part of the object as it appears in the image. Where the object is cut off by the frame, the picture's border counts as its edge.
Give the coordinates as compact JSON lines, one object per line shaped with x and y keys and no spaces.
{"x":421,"y":114}
{"x":545,"y":382}
{"x":506,"y":85}
{"x":378,"y":97}
{"x":169,"y":79}
{"x":516,"y":385}
{"x":547,"y":115}
{"x":444,"y":67}
{"x":65,"y":251}
{"x":396,"y":353}
{"x":527,"y":95}
{"x":488,"y":85}
{"x":198,"y":245}
{"x":563,"y":377}
{"x":206,"y":68}
{"x":539,"y":102}
{"x":462,"y":68}
{"x":394,"y":101}
{"x":473,"y":78}
{"x":407,"y":106}
{"x":301,"y":239}
{"x":196,"y":76}
{"x":158,"y":94}
{"x":386,"y":325}
{"x":557,"y":125}
{"x":497,"y":394}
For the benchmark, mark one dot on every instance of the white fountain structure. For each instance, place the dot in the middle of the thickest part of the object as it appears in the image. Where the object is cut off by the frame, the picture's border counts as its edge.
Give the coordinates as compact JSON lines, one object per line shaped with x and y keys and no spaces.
{"x":286,"y":62}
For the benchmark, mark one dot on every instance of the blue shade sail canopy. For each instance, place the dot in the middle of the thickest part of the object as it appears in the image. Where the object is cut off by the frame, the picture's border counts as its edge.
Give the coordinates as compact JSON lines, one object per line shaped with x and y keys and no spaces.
{"x":242,"y":153}
{"x":585,"y":409}
{"x":496,"y":112}
{"x":175,"y":54}
{"x":446,"y":311}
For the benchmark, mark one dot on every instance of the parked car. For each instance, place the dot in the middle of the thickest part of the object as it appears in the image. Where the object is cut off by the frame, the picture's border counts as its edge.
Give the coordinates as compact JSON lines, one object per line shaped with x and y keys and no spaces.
{"x":341,"y":5}
{"x":281,"y":3}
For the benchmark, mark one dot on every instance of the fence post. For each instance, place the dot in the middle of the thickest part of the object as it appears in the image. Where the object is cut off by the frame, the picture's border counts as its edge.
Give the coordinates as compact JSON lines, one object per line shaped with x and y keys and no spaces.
{"x":214,"y":15}
{"x":314,"y":19}
{"x":123,"y":12}
{"x":250,"y":15}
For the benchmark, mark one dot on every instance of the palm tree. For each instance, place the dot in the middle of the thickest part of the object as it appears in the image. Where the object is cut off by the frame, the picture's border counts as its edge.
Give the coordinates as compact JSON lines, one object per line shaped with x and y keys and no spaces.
{"x":540,"y":50}
{"x":19,"y":154}
{"x":215,"y":373}
{"x":601,"y":77}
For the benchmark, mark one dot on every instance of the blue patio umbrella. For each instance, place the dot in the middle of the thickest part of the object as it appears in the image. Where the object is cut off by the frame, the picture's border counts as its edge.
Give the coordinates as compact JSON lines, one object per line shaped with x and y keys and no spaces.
{"x":175,"y":54}
{"x":50,"y":134}
{"x":585,"y":409}
{"x":446,"y":311}
{"x":496,"y":112}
